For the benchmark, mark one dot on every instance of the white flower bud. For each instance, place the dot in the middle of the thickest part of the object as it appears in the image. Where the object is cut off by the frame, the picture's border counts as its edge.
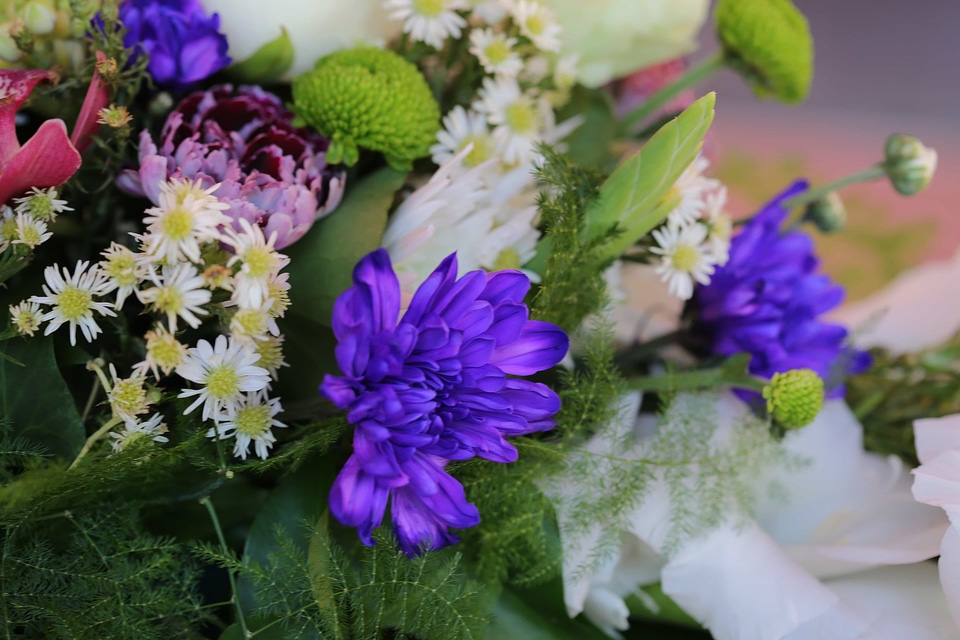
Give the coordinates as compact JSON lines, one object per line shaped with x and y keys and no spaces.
{"x":9,"y":52}
{"x":909,"y":164}
{"x":39,"y":18}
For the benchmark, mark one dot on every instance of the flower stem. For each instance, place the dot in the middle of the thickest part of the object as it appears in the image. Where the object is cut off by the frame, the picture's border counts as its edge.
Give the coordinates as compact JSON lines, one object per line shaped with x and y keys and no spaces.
{"x":871,"y":173}
{"x":102,"y":431}
{"x":205,"y":501}
{"x":693,"y":76}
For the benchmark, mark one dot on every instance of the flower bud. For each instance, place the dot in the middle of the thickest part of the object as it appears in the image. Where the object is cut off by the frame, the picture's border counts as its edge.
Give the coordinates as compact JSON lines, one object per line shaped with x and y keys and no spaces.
{"x":827,"y":214}
{"x":794,"y":398}
{"x":909,"y":163}
{"x":9,"y":51}
{"x":39,"y":18}
{"x":768,"y":43}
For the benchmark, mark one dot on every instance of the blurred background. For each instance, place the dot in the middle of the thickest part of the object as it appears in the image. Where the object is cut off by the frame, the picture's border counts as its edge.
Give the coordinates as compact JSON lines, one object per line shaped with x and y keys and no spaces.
{"x":881,"y":66}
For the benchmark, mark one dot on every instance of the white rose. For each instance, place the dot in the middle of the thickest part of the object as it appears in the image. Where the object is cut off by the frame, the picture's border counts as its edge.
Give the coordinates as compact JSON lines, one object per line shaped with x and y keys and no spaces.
{"x":616,"y":37}
{"x":315,"y":27}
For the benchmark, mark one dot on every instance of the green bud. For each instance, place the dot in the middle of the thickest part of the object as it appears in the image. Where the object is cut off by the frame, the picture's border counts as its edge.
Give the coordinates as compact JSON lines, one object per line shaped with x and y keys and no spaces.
{"x":908,"y":163}
{"x":39,"y":18}
{"x":9,"y":51}
{"x":828,"y":213}
{"x":370,"y":98}
{"x":794,"y":398}
{"x":768,"y":43}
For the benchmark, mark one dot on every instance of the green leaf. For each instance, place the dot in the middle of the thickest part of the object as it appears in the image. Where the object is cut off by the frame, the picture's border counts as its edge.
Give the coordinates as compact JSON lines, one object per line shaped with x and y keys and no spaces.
{"x":538,"y":615}
{"x":590,"y":143}
{"x":633,"y":197}
{"x":268,"y":63}
{"x":36,"y":399}
{"x":308,"y":349}
{"x":321,"y":263}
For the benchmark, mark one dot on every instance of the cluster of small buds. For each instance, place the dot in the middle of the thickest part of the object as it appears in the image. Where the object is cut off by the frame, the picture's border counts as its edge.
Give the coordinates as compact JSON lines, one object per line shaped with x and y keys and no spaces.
{"x":189,"y":258}
{"x":696,"y":236}
{"x":43,"y":30}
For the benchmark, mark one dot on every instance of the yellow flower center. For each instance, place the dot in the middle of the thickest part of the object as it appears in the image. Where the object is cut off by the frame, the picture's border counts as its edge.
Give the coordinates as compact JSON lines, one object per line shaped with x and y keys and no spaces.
{"x":481,"y":152}
{"x":9,"y":229}
{"x":497,"y":51}
{"x":41,"y":206}
{"x":535,"y":24}
{"x":128,"y":396}
{"x":121,"y":267}
{"x":251,"y":322}
{"x":165,"y":350}
{"x":74,"y":303}
{"x":168,"y":300}
{"x":521,"y":116}
{"x":428,"y":8}
{"x":30,"y":235}
{"x":270,"y":352}
{"x":685,"y":258}
{"x":26,"y":322}
{"x":259,"y":262}
{"x":223,"y":383}
{"x":253,"y":421}
{"x":177,"y":224}
{"x":509,"y":258}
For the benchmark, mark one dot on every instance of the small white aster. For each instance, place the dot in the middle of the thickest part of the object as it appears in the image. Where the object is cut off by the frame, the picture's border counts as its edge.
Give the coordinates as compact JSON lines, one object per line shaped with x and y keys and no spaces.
{"x":25,"y":316}
{"x":187,"y":217}
{"x":538,"y":23}
{"x":462,"y":128}
{"x":250,"y":324}
{"x":489,"y":11}
{"x":519,"y":118}
{"x":277,"y":290}
{"x":164,"y":353}
{"x":692,"y":188}
{"x":31,"y":231}
{"x":127,"y":397}
{"x":42,"y":204}
{"x":250,"y":421}
{"x":124,"y":272}
{"x":495,"y":52}
{"x":134,"y":430}
{"x":225,"y":370}
{"x":72,"y":298}
{"x":259,"y":264}
{"x":719,"y":224}
{"x":430,"y":21}
{"x":684,"y":258}
{"x":179,"y":291}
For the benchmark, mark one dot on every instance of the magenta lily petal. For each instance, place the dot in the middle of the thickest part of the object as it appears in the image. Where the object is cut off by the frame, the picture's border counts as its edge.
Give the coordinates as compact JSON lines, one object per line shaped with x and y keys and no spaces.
{"x":97,"y":98}
{"x":15,"y":88}
{"x":46,"y":160}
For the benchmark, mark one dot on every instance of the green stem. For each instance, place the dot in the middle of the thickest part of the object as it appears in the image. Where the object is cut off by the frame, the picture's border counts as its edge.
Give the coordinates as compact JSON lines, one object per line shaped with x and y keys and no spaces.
{"x":697,"y":379}
{"x":693,"y":76}
{"x":93,"y":396}
{"x":871,"y":173}
{"x":102,"y":431}
{"x":205,"y":501}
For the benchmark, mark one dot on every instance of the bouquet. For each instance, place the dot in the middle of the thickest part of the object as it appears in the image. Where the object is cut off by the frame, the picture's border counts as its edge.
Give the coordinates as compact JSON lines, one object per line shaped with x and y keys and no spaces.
{"x":430,"y":319}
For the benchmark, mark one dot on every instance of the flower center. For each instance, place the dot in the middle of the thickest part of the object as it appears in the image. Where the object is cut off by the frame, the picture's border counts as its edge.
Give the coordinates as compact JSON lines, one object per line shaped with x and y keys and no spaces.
{"x":122,"y":268}
{"x":223,"y":382}
{"x":9,"y":229}
{"x":497,"y":51}
{"x":521,"y":116}
{"x":251,"y":322}
{"x":428,"y":8}
{"x":258,"y":262}
{"x":27,"y":322}
{"x":41,"y":206}
{"x":270,"y":352}
{"x":253,"y":421}
{"x":177,"y":224}
{"x":481,"y":150}
{"x":30,"y":235}
{"x":167,"y":352}
{"x":74,"y":303}
{"x":685,"y":258}
{"x":535,"y":24}
{"x":128,"y":396}
{"x":168,"y":300}
{"x":509,"y":258}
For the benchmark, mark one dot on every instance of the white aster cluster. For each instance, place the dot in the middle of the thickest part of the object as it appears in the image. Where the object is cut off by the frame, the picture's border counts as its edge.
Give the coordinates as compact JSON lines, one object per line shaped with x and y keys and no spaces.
{"x":482,"y":200}
{"x":27,"y":223}
{"x":696,"y":236}
{"x":191,"y":264}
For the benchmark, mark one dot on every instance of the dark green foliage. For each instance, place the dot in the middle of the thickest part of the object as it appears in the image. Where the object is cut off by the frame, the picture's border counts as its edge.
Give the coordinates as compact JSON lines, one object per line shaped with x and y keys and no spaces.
{"x":572,"y":286}
{"x":326,"y":593}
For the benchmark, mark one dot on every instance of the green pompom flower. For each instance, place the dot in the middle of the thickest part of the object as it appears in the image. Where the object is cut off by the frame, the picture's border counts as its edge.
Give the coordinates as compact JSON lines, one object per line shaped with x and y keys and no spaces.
{"x":370,"y":98}
{"x":794,"y":398}
{"x":767,"y":42}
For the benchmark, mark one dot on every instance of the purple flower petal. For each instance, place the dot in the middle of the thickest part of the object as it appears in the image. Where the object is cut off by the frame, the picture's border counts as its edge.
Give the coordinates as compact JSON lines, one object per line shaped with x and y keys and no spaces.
{"x":539,"y":346}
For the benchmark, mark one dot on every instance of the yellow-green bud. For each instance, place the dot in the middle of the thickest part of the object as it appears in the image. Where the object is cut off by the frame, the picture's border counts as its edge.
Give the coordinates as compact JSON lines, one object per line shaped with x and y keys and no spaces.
{"x":370,"y":98}
{"x":39,"y":18}
{"x":9,"y":51}
{"x":767,"y":42}
{"x":828,"y":213}
{"x":909,"y":164}
{"x":794,"y":398}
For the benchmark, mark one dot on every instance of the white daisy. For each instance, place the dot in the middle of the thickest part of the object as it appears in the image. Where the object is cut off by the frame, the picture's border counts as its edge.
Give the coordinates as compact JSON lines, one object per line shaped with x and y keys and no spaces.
{"x":42,"y":204}
{"x":719,"y":224}
{"x":164,"y":353}
{"x":31,"y":231}
{"x":277,"y":292}
{"x":518,"y":116}
{"x":187,"y":217}
{"x":127,"y":396}
{"x":179,"y":291}
{"x":72,"y":298}
{"x":692,"y":188}
{"x":462,"y":128}
{"x":430,"y":21}
{"x":250,"y":324}
{"x":250,"y":421}
{"x":495,"y":52}
{"x":489,"y":11}
{"x":225,"y":370}
{"x":684,"y":258}
{"x":25,"y":316}
{"x":538,"y":23}
{"x":124,"y":272}
{"x":134,"y":430}
{"x":259,"y":264}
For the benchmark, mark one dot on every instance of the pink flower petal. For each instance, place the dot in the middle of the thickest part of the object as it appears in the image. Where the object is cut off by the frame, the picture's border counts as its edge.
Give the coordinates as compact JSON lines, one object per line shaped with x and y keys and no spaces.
{"x":46,"y":160}
{"x":15,"y":87}
{"x":97,"y":98}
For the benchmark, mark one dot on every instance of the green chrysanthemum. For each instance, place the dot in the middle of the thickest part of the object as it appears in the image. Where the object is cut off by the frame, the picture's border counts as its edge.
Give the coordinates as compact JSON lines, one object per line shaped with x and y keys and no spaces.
{"x":370,"y":98}
{"x":768,"y":42}
{"x":794,"y":398}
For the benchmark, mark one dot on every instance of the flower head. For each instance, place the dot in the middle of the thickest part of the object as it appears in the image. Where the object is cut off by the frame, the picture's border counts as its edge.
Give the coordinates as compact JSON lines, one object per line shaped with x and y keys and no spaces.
{"x":73,"y":300}
{"x":462,"y":128}
{"x":495,"y":52}
{"x":767,"y":301}
{"x":31,"y":231}
{"x":250,"y":420}
{"x":270,"y":173}
{"x":134,"y":430}
{"x":431,"y":387}
{"x":186,"y":217}
{"x":123,"y":271}
{"x":42,"y":204}
{"x":430,"y":21}
{"x":178,"y":291}
{"x":538,"y":23}
{"x":26,"y":317}
{"x":225,"y":370}
{"x":685,"y":257}
{"x":909,"y":164}
{"x":794,"y":398}
{"x":164,"y":353}
{"x":259,"y":264}
{"x":128,"y":397}
{"x":184,"y":45}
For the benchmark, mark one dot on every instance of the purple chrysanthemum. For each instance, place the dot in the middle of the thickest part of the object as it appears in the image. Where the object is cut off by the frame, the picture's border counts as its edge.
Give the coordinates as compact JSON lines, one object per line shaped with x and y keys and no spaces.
{"x":768,"y":299}
{"x":185,"y":45}
{"x":430,"y":388}
{"x":271,"y":173}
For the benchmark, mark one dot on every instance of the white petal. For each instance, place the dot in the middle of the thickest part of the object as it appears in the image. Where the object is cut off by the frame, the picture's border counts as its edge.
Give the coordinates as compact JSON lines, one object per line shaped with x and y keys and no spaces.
{"x":935,"y":435}
{"x":950,"y":571}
